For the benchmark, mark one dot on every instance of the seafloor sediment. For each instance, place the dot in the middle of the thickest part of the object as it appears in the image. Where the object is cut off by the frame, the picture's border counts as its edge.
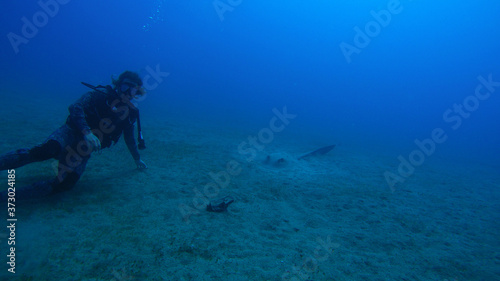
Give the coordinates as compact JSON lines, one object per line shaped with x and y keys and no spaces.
{"x":326,"y":218}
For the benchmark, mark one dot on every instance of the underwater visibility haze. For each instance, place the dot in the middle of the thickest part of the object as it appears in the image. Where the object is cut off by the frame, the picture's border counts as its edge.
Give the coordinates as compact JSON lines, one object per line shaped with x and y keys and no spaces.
{"x":402,"y":95}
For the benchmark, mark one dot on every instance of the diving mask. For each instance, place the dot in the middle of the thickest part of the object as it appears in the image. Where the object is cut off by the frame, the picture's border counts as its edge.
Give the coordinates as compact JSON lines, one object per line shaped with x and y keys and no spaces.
{"x":132,"y":89}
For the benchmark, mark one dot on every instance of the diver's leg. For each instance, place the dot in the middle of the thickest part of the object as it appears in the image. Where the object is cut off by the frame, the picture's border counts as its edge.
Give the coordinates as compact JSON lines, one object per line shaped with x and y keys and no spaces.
{"x":37,"y":190}
{"x":21,"y":157}
{"x":52,"y":148}
{"x":15,"y":159}
{"x":71,"y":165}
{"x":46,"y":151}
{"x":68,"y":175}
{"x":64,"y":181}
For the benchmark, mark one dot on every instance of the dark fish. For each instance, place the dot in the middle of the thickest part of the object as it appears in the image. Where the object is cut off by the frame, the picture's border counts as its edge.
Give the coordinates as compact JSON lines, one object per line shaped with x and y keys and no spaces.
{"x":220,"y":205}
{"x":321,"y":151}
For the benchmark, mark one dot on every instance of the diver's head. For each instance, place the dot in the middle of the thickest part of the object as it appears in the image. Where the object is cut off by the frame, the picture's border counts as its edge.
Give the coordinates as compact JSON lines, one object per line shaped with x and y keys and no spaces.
{"x":129,"y":84}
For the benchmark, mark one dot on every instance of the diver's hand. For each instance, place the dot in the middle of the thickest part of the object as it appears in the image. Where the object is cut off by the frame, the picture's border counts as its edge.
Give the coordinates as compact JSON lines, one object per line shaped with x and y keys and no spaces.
{"x":92,"y":141}
{"x":140,"y":164}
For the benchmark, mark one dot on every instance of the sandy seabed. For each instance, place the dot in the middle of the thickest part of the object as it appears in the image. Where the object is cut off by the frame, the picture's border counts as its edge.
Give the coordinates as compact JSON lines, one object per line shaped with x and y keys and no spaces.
{"x":327,"y":218}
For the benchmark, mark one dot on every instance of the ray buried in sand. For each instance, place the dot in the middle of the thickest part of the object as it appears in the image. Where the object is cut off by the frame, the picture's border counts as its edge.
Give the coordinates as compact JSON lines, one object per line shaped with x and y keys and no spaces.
{"x":233,"y":168}
{"x":454,"y":117}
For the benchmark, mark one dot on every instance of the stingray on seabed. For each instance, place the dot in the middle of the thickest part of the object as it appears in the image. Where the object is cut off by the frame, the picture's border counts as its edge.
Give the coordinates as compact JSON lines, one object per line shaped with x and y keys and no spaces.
{"x":280,"y":159}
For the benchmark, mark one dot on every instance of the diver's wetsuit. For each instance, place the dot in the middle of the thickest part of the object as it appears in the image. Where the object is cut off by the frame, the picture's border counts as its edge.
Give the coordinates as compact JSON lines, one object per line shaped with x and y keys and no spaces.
{"x":104,"y":114}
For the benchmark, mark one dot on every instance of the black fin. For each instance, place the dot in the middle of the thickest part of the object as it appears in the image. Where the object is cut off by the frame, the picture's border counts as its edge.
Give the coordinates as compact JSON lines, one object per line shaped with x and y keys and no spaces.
{"x":321,"y":151}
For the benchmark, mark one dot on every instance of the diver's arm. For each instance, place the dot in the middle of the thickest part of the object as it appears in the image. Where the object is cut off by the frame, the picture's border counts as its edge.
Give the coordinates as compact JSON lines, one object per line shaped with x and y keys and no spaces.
{"x":128,"y":135}
{"x":77,"y":118}
{"x":77,"y":113}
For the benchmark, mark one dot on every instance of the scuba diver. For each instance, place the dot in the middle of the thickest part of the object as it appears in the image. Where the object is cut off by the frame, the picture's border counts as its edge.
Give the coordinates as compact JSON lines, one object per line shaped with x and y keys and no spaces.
{"x":95,"y":121}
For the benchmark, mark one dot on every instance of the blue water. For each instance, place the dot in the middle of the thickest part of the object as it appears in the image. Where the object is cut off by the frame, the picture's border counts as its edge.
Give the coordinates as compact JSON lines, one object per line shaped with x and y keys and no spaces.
{"x":377,"y":74}
{"x":230,"y":61}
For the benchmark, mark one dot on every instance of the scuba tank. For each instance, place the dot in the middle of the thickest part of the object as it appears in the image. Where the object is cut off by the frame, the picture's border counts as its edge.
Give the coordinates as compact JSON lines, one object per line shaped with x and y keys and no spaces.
{"x":140,"y":139}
